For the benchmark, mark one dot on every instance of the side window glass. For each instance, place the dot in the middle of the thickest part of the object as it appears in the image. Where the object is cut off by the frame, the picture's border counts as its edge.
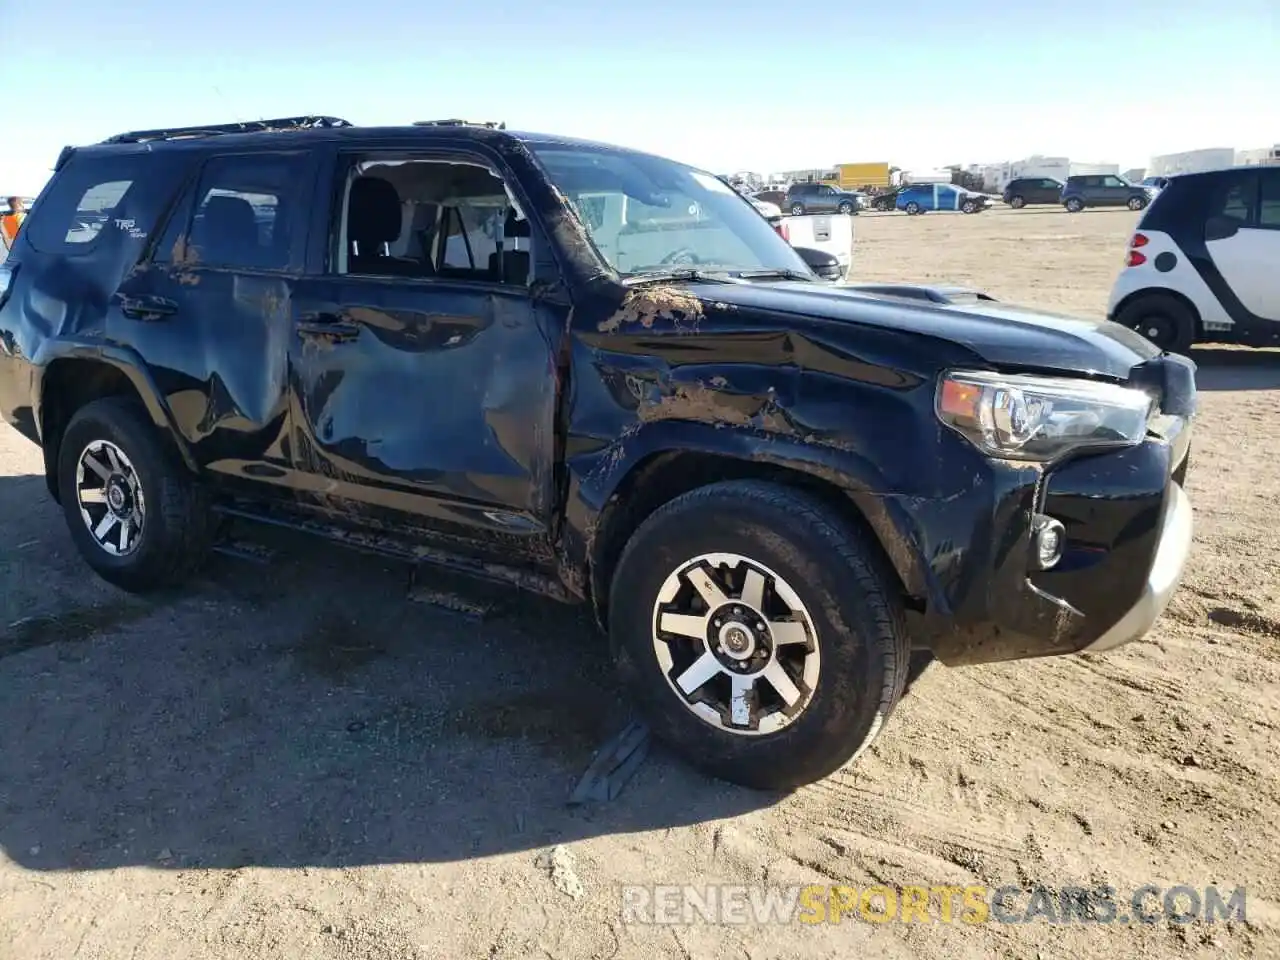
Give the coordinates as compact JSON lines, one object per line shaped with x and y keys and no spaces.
{"x":244,"y":211}
{"x":432,"y":219}
{"x":95,"y":208}
{"x":1269,"y":201}
{"x":1235,"y":198}
{"x":85,"y":200}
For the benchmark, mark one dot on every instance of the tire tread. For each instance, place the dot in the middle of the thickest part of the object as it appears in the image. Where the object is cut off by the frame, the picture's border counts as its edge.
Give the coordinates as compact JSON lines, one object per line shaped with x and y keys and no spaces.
{"x":885,"y":628}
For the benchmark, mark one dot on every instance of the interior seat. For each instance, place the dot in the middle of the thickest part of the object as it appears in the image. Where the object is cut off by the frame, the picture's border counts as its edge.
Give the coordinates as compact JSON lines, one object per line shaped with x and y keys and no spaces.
{"x":226,"y":232}
{"x":373,"y":222}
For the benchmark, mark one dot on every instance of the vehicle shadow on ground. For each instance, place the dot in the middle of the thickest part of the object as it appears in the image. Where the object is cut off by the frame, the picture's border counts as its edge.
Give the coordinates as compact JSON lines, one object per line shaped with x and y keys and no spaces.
{"x":1223,"y":368}
{"x":300,"y":714}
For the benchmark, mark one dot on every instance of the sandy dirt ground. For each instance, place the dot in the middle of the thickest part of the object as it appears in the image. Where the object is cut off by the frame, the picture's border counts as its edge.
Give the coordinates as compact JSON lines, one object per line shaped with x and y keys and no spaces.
{"x":295,"y":761}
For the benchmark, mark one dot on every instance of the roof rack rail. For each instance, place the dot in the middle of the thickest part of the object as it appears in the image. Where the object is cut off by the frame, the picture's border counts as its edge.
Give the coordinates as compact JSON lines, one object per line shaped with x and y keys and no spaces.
{"x":218,"y":129}
{"x":490,"y":124}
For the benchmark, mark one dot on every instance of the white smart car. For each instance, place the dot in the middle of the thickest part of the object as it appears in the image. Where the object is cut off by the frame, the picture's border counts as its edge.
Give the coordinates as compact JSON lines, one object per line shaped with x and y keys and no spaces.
{"x":1204,"y":262}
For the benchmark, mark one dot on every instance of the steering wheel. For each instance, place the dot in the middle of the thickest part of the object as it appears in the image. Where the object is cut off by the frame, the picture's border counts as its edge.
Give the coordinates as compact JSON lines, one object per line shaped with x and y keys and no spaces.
{"x":682,"y":256}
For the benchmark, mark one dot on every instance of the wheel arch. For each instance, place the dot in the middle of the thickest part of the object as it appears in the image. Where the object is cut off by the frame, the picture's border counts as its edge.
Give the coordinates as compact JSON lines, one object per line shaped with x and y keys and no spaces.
{"x":73,"y":375}
{"x":1148,"y":292}
{"x":663,"y":474}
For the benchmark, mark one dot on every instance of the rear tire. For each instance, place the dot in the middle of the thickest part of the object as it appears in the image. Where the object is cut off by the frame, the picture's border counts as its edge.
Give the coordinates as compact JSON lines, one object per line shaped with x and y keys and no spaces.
{"x":818,"y":584}
{"x":138,"y":517}
{"x":1163,"y":319}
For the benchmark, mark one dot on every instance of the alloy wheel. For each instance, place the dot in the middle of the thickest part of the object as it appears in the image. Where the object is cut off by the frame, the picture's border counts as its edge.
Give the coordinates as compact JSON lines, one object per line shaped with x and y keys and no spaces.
{"x":110,"y":497}
{"x":736,"y":644}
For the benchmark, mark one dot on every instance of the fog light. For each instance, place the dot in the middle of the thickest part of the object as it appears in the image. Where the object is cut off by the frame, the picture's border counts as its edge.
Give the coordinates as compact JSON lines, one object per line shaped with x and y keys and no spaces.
{"x":1049,"y":537}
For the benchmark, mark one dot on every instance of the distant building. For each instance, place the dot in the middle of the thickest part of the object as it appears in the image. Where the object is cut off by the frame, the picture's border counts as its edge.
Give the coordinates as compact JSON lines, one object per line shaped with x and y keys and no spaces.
{"x":1264,"y":156}
{"x":812,"y":175}
{"x":1192,"y":161}
{"x":1136,"y":174}
{"x":1080,"y":169}
{"x":927,"y":176}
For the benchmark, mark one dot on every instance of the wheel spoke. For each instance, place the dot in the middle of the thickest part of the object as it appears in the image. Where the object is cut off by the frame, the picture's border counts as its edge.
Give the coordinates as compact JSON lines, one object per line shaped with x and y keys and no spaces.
{"x":707,"y":588}
{"x":684,"y":624}
{"x":100,"y":469}
{"x":740,"y":702}
{"x":698,"y":673}
{"x":126,"y":531}
{"x":787,"y":631}
{"x":93,"y":495}
{"x":115,"y":461}
{"x":753,"y":590}
{"x":104,"y":526}
{"x":787,"y":690}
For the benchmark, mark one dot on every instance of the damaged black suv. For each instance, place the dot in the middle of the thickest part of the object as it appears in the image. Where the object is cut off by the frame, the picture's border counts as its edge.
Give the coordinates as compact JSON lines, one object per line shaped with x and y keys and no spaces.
{"x":600,"y":375}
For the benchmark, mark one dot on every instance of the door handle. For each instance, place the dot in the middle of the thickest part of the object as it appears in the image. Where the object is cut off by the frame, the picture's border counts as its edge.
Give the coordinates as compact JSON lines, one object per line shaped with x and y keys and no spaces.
{"x":327,"y":326}
{"x":147,"y":307}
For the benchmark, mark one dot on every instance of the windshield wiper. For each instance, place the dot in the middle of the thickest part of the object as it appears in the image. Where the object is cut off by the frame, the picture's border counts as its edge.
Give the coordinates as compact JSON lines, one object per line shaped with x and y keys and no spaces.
{"x":666,"y":276}
{"x":778,"y":274}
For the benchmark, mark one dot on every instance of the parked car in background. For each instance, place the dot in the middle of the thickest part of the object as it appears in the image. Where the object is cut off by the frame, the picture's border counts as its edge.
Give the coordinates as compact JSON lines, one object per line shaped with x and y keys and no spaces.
{"x":764,"y":207}
{"x":777,"y":197}
{"x":1104,"y":190}
{"x":1202,"y":263}
{"x":1155,"y":183}
{"x":885,"y":201}
{"x":923,"y":197}
{"x":1025,"y":191}
{"x":803,"y":198}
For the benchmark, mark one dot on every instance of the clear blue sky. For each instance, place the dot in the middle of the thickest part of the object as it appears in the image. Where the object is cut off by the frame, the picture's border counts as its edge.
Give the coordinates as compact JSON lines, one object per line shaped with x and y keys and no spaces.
{"x":728,"y":86}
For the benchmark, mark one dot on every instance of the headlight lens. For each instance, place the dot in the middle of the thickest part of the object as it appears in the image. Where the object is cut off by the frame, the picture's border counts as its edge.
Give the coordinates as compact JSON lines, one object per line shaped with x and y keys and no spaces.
{"x":1023,"y":417}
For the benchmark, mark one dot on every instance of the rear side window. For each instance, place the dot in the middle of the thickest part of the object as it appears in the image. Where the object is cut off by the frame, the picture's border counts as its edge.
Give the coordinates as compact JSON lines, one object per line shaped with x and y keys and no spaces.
{"x":245,"y":210}
{"x":1269,"y":201}
{"x":89,"y":197}
{"x":1234,"y":196}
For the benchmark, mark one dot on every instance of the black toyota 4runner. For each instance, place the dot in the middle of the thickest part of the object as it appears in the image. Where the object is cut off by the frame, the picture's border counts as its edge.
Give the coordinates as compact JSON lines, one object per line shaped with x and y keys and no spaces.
{"x":600,"y":375}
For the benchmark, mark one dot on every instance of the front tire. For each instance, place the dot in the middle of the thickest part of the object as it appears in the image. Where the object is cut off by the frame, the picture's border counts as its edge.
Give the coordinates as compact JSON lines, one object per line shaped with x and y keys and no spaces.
{"x":1074,"y":205}
{"x":797,"y":209}
{"x":136,"y":514}
{"x":1163,"y":319}
{"x":968,"y":207}
{"x":1017,"y":202}
{"x":1136,"y":203}
{"x":913,"y":208}
{"x":846,"y":208}
{"x":759,"y":632}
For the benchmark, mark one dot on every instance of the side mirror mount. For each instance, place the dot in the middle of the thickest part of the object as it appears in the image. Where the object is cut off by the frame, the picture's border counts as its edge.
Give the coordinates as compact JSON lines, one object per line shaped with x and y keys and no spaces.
{"x":825,"y":265}
{"x":816,"y":258}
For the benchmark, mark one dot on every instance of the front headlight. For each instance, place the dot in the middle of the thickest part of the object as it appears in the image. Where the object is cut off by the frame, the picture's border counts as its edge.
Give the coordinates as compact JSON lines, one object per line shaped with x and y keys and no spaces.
{"x":1026,"y":417}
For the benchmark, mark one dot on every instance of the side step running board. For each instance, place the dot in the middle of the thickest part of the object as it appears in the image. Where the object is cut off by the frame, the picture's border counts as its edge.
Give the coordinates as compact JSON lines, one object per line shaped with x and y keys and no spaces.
{"x":390,"y":546}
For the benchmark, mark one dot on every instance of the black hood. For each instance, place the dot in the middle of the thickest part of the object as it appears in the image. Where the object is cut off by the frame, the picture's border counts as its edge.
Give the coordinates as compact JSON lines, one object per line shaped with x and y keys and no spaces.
{"x":1003,"y":335}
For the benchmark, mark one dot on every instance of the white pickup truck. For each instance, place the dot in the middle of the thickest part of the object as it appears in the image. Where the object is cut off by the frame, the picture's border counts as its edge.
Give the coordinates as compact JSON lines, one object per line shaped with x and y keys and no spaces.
{"x":830,"y":234}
